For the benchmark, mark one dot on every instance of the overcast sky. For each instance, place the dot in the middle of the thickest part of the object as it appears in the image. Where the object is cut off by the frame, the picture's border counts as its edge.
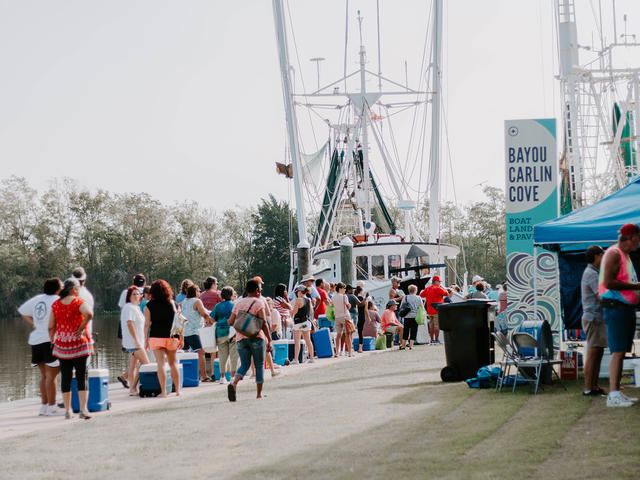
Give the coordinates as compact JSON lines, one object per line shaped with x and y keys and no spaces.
{"x":182,"y":99}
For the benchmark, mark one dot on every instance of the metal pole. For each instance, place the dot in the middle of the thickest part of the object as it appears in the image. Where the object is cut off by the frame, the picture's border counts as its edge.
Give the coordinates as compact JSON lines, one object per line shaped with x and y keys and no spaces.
{"x":365,"y":132}
{"x":292,"y":131}
{"x":434,"y":164}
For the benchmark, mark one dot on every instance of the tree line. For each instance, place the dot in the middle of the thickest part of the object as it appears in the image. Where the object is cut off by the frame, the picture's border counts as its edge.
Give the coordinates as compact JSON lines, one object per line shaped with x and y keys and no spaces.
{"x":115,"y":236}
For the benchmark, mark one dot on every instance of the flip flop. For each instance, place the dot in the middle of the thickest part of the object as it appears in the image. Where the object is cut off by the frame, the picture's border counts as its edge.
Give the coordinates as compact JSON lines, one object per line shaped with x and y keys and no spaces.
{"x":231,"y":392}
{"x":124,"y":383}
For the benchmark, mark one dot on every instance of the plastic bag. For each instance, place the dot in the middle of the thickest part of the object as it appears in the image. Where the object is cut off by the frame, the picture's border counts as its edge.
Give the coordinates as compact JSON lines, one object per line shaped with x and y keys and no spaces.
{"x":421,"y":316}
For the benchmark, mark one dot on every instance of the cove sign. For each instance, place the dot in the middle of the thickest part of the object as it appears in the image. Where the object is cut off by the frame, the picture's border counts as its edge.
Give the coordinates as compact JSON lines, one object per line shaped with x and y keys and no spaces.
{"x":531,"y":175}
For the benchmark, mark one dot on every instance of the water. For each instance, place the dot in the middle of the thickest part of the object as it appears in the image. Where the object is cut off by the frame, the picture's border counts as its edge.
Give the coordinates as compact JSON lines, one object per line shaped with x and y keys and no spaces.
{"x":18,"y":379}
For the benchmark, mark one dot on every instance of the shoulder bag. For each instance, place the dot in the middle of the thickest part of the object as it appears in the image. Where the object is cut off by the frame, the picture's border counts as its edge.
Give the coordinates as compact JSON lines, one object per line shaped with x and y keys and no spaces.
{"x":248,"y":324}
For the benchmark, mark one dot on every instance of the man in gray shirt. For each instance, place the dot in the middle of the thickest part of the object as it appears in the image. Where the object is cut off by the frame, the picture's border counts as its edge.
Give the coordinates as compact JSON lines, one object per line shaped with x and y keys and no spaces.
{"x":592,"y":322}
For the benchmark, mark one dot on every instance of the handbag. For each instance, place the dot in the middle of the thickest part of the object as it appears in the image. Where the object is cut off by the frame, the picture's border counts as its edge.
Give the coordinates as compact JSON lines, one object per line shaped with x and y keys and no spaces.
{"x":331,"y":313}
{"x":247,"y":324}
{"x":421,"y":315}
{"x":404,"y":311}
{"x":349,"y":327}
{"x":179,"y":321}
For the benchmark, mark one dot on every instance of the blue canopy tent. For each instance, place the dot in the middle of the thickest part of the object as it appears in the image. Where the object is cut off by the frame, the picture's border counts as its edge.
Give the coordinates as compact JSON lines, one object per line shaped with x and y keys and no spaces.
{"x":571,"y":234}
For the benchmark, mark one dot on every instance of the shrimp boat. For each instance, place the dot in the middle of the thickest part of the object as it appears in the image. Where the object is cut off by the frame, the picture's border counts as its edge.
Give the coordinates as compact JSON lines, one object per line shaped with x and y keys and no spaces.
{"x":361,"y":199}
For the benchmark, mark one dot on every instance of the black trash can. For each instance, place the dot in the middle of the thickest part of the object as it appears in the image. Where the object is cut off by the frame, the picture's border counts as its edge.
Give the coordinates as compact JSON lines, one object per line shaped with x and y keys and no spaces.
{"x":468,"y":344}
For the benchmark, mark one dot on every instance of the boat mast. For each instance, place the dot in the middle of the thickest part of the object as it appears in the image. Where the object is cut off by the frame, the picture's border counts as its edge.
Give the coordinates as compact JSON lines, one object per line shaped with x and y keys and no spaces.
{"x":294,"y":145}
{"x":365,"y":134}
{"x":434,"y":163}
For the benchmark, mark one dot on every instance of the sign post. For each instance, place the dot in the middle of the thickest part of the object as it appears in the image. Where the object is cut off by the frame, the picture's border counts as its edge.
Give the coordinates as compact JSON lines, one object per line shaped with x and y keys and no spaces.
{"x":531,"y":197}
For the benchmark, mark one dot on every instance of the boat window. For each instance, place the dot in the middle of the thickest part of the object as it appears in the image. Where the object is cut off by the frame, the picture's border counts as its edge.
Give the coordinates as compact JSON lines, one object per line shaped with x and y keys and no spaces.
{"x":394,"y":261}
{"x":362,"y":268}
{"x":377,"y":266}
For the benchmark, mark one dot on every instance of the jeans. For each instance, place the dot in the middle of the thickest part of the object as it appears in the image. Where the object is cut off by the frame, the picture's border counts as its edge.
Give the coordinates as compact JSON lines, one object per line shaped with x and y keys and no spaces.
{"x":248,"y":348}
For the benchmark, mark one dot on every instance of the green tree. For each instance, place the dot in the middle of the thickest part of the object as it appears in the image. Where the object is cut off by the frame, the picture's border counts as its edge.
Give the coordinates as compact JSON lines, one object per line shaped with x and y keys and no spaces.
{"x":272,"y":243}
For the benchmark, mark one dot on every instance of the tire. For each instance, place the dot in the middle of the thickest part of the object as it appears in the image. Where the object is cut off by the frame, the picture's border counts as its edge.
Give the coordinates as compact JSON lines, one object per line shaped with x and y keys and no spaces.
{"x":449,"y":374}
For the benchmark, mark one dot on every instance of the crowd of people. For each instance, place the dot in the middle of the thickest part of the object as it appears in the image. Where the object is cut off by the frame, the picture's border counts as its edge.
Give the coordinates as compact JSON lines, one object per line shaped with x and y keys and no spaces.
{"x":62,"y":339}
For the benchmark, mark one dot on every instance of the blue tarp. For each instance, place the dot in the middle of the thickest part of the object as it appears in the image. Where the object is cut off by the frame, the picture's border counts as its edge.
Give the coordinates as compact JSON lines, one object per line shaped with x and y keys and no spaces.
{"x":596,"y":224}
{"x":571,"y":234}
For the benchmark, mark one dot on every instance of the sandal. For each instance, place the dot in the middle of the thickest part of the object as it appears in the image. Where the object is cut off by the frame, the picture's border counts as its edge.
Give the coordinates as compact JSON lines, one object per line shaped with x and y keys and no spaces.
{"x":231,"y":392}
{"x":124,"y":383}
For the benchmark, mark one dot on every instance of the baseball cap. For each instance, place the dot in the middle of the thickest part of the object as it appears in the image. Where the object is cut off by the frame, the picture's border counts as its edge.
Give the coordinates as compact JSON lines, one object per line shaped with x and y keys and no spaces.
{"x":257,"y":279}
{"x":435,"y":278}
{"x":139,"y":280}
{"x":630,"y":229}
{"x":301,"y":288}
{"x":476,"y":278}
{"x":390,"y":303}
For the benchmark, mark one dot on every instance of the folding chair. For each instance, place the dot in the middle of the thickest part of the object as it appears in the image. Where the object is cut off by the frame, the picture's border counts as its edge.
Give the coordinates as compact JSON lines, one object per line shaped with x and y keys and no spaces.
{"x":507,"y":361}
{"x":526,"y":364}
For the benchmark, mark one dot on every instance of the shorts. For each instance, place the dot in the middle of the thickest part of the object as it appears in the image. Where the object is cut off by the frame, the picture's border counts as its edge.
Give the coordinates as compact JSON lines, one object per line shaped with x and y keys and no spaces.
{"x":158,"y":343}
{"x":302,"y":327}
{"x":391,"y":329}
{"x":42,"y":353}
{"x":433,"y":321}
{"x":596,"y":332}
{"x":621,"y":326}
{"x":339,"y":325}
{"x":192,"y":342}
{"x":132,"y":350}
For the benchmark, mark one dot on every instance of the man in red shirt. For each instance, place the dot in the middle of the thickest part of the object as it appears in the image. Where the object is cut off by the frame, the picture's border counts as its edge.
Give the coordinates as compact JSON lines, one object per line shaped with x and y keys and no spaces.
{"x":434,"y":293}
{"x":211,"y":296}
{"x":321,"y":308}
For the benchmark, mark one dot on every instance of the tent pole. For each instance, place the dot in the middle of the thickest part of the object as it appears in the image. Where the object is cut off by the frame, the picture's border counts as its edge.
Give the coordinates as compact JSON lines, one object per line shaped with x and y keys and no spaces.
{"x":535,"y":283}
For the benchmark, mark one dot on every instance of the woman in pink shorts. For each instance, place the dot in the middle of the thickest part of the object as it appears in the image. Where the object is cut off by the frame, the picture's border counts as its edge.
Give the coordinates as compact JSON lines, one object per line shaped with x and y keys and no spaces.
{"x":158,"y":314}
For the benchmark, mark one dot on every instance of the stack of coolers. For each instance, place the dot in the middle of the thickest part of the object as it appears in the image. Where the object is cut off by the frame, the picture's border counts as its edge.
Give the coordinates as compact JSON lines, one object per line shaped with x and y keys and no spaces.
{"x":98,"y":385}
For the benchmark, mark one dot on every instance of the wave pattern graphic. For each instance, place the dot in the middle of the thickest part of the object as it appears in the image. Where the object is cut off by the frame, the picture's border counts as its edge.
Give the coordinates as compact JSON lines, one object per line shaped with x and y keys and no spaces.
{"x":521,"y":272}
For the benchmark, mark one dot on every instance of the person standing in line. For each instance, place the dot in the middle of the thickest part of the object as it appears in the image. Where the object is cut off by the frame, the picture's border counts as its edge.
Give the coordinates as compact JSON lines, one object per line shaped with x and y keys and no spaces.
{"x":341,"y":306}
{"x":362,"y":314}
{"x":283,"y":306}
{"x":132,"y":321}
{"x":502,"y":298}
{"x":226,"y":342}
{"x":211,"y":296}
{"x":84,"y":293}
{"x":331,"y":289}
{"x":434,"y":293}
{"x":37,"y":312}
{"x":158,"y":315}
{"x":395,"y":293}
{"x":186,"y":283}
{"x":139,"y":281}
{"x":302,"y":314}
{"x":478,"y":293}
{"x":321,"y":307}
{"x":250,"y":348}
{"x":413,"y":301}
{"x":592,"y":322}
{"x":618,"y":289}
{"x":196,"y":315}
{"x":71,"y":344}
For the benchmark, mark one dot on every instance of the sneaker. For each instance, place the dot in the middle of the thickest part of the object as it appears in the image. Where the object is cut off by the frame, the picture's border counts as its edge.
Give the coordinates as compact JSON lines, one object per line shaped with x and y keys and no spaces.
{"x":84,"y":416}
{"x":618,"y":401}
{"x":54,"y":411}
{"x":294,"y":362}
{"x":628,"y":399}
{"x":44,"y":409}
{"x":311,"y":360}
{"x":68,"y":415}
{"x":222,"y":380}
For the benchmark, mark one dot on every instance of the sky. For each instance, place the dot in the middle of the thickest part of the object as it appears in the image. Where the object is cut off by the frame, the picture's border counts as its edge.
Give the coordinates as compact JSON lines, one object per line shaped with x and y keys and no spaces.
{"x":183,"y":100}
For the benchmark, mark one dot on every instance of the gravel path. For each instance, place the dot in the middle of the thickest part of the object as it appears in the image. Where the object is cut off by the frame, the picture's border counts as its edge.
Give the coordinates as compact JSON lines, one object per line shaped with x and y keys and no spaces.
{"x":203,"y":435}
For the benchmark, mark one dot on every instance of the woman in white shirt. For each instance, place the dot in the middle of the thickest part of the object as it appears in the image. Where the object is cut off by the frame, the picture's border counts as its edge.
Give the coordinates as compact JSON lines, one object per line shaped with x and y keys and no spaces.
{"x":132,"y":323}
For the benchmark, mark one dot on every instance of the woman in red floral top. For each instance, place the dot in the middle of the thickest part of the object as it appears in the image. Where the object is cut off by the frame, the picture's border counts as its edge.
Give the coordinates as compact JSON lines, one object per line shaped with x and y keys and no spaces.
{"x":71,"y":344}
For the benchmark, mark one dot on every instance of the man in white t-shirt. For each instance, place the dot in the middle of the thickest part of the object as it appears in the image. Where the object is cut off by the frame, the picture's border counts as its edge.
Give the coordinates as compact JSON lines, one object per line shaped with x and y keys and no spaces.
{"x":36,"y":312}
{"x":85,"y":294}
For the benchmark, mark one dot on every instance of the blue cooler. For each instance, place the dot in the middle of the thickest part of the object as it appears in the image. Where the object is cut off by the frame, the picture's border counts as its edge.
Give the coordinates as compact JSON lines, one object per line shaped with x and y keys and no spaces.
{"x":368,"y":344}
{"x":292,"y":350}
{"x":189,"y":362}
{"x":98,"y":390}
{"x":216,"y":371}
{"x":324,"y":323}
{"x":280,"y":351}
{"x":541,"y":331}
{"x":149,"y":386}
{"x":75,"y":401}
{"x":180,"y":378}
{"x":322,"y":343}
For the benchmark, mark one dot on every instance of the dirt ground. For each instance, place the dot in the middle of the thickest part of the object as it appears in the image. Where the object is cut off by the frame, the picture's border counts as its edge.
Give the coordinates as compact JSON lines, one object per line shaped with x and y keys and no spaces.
{"x":381,"y":415}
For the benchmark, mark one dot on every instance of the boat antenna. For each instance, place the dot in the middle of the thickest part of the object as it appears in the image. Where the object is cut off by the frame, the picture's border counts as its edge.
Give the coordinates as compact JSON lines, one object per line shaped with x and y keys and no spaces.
{"x":434,"y":164}
{"x":379,"y":62}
